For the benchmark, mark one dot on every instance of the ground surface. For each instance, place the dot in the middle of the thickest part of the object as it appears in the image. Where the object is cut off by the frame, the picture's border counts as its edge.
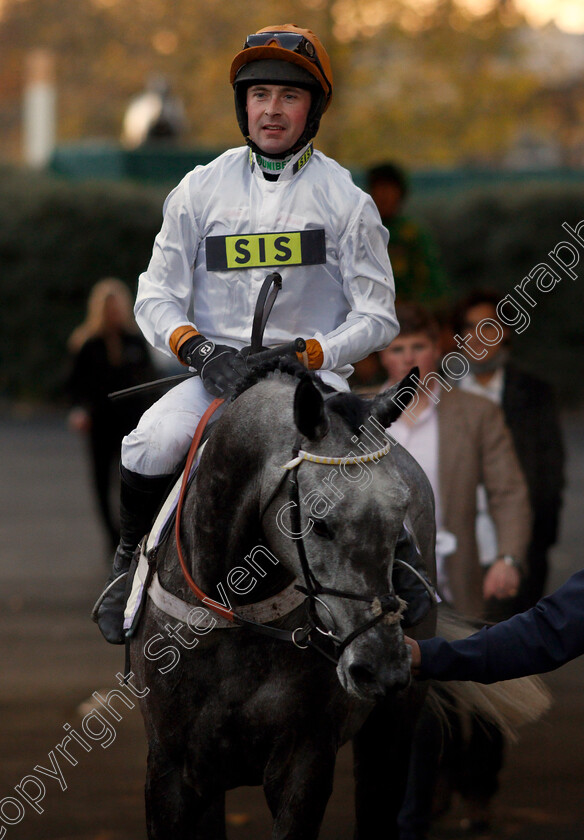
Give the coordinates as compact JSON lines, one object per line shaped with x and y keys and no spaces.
{"x":52,"y":564}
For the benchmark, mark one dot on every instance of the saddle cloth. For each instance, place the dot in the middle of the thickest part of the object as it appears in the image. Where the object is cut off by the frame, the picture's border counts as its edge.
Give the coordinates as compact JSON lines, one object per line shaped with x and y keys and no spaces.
{"x":160,"y":528}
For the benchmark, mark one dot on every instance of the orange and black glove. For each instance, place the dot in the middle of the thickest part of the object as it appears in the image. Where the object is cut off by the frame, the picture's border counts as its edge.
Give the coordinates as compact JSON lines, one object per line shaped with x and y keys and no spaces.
{"x":218,"y":365}
{"x":313,"y":357}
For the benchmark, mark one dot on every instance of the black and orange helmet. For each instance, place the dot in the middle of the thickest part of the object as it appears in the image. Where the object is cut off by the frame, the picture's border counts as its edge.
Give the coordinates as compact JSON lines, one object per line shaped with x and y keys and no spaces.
{"x":284,"y":54}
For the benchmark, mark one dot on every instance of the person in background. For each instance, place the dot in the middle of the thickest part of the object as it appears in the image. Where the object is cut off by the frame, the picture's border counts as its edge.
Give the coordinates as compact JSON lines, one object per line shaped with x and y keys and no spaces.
{"x":533,"y":642}
{"x":460,"y":440}
{"x":418,"y":273}
{"x":107,"y":354}
{"x":529,"y":409}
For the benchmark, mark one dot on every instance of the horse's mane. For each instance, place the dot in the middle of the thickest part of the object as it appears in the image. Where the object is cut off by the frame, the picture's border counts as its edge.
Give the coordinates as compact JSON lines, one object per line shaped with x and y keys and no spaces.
{"x":353,"y":409}
{"x":283,"y":364}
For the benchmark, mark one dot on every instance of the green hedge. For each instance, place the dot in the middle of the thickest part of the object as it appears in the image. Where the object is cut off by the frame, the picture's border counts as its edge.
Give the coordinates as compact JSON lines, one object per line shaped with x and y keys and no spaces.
{"x":495,"y":237}
{"x":57,"y":239}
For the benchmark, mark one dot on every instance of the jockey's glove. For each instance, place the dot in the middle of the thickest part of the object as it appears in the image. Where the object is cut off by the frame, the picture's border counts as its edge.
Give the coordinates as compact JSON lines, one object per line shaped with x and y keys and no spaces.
{"x":218,"y":365}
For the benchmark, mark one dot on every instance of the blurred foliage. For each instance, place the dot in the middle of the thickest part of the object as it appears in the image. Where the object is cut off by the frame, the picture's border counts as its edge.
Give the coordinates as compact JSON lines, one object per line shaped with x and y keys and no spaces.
{"x":426,"y":83}
{"x":58,"y":239}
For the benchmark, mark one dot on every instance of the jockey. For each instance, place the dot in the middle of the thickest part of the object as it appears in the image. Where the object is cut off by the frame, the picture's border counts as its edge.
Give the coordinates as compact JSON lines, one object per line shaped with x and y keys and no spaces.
{"x":277,"y":203}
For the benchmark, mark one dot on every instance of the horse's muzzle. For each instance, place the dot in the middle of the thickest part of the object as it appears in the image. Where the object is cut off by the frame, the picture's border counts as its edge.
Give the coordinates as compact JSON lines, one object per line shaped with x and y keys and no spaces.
{"x":371,"y":670}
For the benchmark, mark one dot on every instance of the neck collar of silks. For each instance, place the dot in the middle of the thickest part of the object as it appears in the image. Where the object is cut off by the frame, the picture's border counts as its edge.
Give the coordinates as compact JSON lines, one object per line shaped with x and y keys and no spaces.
{"x":282,"y":168}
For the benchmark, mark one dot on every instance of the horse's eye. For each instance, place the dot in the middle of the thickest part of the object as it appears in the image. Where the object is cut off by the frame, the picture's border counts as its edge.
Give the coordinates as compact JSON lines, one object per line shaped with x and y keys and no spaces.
{"x":321,"y":529}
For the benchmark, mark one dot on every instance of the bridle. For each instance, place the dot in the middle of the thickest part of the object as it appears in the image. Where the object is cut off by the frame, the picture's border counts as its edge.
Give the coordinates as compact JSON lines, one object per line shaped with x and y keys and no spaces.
{"x":387,"y":606}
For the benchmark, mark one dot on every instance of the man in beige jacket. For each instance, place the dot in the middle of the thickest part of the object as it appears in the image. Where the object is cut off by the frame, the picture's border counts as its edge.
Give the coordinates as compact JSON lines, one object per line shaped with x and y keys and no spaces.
{"x":461,"y":441}
{"x":474,"y":447}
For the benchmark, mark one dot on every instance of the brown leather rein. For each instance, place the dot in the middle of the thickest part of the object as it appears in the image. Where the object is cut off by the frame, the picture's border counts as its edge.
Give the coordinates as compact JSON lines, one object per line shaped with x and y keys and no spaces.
{"x":216,"y":608}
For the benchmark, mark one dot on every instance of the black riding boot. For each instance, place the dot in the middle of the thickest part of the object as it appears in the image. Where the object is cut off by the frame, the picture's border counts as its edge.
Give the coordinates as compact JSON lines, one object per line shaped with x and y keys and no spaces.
{"x":140,"y":498}
{"x":410,"y":579}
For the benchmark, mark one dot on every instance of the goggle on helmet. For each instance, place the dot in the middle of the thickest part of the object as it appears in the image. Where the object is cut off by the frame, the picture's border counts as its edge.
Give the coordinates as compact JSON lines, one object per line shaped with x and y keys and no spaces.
{"x":283,"y":54}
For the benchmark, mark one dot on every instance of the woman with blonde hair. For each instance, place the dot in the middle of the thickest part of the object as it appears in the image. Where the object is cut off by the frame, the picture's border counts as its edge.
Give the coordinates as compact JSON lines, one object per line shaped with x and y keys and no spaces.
{"x":109,"y":303}
{"x":108,"y":354}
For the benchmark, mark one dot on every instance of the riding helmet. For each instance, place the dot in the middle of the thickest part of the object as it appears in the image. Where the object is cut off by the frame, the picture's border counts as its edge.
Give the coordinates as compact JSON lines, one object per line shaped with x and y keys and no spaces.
{"x":283,"y":54}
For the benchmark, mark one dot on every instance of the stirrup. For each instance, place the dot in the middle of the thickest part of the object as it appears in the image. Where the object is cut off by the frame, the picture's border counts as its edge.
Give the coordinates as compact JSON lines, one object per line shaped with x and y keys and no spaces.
{"x":103,"y":595}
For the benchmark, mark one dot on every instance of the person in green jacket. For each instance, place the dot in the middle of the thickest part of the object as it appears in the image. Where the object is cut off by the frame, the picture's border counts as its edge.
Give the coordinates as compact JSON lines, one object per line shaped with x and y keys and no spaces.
{"x":419,"y":275}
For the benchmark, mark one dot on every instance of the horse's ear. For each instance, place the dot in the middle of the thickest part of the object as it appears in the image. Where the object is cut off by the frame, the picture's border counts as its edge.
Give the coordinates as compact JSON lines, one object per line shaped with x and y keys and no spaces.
{"x":309,"y":413}
{"x":388,"y":405}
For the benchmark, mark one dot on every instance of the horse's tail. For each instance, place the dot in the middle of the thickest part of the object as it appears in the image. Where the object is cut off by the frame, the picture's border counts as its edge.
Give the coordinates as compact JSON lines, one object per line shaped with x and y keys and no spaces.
{"x":509,"y":704}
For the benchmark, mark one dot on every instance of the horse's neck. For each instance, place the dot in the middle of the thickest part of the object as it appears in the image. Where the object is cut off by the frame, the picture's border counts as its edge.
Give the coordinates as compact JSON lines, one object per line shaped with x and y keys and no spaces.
{"x":220,"y":519}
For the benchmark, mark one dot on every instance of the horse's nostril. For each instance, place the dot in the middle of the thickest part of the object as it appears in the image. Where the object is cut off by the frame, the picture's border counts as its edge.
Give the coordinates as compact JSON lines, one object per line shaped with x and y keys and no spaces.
{"x":362,"y":675}
{"x":378,"y":682}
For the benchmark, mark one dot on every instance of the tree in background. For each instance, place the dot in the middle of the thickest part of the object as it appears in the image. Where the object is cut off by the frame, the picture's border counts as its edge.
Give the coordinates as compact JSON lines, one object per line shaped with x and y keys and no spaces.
{"x":430,"y":84}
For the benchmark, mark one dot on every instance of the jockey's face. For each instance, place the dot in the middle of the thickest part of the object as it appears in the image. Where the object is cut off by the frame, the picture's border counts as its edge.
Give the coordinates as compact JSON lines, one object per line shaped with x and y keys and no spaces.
{"x":276,"y":116}
{"x":408,"y":351}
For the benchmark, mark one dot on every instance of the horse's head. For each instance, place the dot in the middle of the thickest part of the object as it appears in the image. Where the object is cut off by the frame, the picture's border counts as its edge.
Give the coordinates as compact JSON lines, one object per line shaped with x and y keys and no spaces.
{"x":333,"y":517}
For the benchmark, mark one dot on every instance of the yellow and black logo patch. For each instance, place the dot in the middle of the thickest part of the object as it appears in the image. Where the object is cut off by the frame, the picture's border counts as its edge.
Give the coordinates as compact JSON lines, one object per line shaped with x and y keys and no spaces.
{"x":265,"y":250}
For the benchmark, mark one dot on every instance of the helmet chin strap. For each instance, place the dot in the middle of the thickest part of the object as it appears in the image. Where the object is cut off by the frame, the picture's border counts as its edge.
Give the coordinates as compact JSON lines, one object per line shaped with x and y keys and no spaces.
{"x":282,"y":156}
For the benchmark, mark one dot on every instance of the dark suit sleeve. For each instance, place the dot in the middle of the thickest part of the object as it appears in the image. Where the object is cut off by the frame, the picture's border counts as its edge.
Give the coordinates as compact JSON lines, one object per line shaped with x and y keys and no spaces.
{"x":547,"y":490}
{"x":531,"y":414}
{"x":541,"y":639}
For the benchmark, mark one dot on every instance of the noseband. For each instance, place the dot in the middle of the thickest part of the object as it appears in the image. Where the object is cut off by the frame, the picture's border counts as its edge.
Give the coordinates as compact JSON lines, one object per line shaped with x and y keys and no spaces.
{"x":387,"y":606}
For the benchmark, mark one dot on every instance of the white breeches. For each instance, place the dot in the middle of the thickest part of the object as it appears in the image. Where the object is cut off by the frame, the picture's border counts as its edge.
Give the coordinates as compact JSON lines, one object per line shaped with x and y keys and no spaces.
{"x":162,"y":437}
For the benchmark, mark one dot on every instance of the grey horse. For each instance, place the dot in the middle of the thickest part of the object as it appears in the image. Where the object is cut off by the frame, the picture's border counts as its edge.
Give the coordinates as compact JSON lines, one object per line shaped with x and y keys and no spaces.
{"x":231,"y":707}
